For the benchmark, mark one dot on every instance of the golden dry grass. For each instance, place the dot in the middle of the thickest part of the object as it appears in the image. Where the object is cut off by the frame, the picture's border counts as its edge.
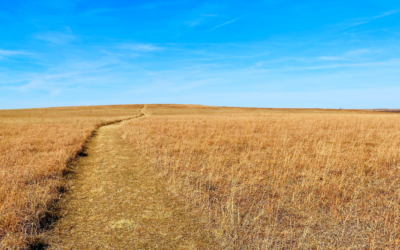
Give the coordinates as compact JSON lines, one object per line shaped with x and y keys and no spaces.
{"x":279,"y":179}
{"x":115,"y":200}
{"x":35,"y":148}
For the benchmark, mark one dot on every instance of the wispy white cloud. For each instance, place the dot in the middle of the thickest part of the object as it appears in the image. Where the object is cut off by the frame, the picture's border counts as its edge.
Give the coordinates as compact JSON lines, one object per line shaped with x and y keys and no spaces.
{"x":395,"y":32}
{"x":127,"y":81}
{"x":59,"y":78}
{"x":141,"y":47}
{"x":10,"y":53}
{"x":226,"y":23}
{"x":388,"y":13}
{"x":366,"y":98}
{"x":329,"y":58}
{"x":357,"y":52}
{"x":364,"y":20}
{"x":58,"y":38}
{"x":209,"y":15}
{"x":352,"y":54}
{"x":392,"y":62}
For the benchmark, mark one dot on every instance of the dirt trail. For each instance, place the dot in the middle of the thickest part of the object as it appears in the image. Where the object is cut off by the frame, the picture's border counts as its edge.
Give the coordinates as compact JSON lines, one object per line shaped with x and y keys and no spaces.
{"x":115,"y":201}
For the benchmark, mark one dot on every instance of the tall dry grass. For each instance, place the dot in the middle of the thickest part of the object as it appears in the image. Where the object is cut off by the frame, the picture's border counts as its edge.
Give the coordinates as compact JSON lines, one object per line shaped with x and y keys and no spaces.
{"x":279,"y":180}
{"x":35,"y":147}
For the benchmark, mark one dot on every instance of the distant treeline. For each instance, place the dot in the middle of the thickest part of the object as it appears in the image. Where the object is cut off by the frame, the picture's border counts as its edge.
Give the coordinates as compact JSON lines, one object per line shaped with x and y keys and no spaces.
{"x":388,"y":110}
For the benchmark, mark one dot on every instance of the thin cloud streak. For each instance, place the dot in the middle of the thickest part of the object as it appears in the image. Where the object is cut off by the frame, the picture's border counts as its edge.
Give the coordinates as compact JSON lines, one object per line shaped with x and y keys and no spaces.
{"x":4,"y":54}
{"x":329,"y":58}
{"x":346,"y":56}
{"x":223,"y":24}
{"x":12,"y":52}
{"x":367,"y":20}
{"x":346,"y":65}
{"x":142,"y":47}
{"x":387,"y":14}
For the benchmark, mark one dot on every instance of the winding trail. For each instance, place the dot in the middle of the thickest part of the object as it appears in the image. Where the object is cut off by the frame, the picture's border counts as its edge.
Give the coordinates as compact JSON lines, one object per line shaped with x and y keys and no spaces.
{"x":115,"y":201}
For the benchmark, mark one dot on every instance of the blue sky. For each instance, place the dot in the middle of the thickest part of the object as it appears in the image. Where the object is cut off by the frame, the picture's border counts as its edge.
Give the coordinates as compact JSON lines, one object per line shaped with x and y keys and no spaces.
{"x":270,"y":53}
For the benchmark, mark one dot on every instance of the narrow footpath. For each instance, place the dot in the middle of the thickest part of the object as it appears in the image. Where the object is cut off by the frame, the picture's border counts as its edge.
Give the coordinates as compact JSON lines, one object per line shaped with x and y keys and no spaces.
{"x":115,"y":201}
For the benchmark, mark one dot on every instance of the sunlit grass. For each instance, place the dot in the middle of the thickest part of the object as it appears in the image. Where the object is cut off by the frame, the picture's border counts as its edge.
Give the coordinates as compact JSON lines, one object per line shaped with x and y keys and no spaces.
{"x":35,"y":148}
{"x":280,"y":179}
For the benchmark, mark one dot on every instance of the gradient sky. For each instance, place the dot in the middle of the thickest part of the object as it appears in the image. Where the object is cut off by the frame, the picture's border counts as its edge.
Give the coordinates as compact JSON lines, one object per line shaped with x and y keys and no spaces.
{"x":272,"y":53}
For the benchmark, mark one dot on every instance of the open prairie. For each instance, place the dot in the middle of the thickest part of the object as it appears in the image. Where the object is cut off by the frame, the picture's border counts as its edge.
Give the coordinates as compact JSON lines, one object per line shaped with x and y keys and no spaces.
{"x":35,"y":147}
{"x":280,"y":179}
{"x":252,"y":178}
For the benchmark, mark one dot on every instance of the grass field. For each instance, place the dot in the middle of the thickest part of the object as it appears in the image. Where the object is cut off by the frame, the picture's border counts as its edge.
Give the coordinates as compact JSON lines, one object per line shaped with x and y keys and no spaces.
{"x":258,"y":178}
{"x":280,"y":179}
{"x":35,"y":147}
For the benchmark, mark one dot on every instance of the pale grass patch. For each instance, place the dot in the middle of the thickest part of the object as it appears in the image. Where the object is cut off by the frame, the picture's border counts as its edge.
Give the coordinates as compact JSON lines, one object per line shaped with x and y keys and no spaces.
{"x":128,"y":224}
